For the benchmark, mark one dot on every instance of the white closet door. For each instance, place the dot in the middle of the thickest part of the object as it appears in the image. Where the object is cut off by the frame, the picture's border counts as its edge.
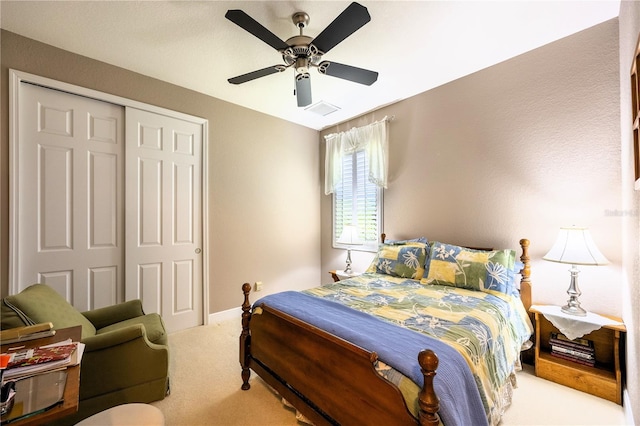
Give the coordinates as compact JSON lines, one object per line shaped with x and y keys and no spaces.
{"x":164,"y":216}
{"x":70,"y":191}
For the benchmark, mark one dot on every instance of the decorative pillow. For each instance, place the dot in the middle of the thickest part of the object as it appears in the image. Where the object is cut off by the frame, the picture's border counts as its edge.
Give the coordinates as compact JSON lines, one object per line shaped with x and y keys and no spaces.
{"x":404,"y":260}
{"x":374,"y":262}
{"x":471,"y":269}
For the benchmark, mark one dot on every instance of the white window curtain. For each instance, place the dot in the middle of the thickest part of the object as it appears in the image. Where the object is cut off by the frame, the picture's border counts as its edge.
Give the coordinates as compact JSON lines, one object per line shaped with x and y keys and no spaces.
{"x":373,"y":139}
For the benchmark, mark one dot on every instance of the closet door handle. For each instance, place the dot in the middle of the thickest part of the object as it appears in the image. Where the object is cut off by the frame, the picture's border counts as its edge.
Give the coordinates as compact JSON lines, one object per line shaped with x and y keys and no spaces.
{"x":198,"y":251}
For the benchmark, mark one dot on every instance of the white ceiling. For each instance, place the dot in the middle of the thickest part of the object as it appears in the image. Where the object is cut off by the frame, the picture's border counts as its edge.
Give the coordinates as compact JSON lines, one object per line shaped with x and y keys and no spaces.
{"x":414,"y":45}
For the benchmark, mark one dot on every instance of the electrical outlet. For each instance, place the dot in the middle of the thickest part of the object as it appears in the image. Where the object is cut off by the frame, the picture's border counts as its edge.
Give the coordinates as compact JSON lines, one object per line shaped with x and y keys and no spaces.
{"x":258,"y":285}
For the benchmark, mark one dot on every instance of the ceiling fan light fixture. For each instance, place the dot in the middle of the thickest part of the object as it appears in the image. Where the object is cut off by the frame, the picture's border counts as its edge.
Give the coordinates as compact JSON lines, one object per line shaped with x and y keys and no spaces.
{"x":302,"y":65}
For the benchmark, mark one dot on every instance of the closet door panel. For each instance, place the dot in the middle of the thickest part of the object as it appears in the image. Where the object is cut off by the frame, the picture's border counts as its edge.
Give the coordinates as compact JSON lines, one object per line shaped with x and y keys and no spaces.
{"x":164,"y":229}
{"x":70,"y":195}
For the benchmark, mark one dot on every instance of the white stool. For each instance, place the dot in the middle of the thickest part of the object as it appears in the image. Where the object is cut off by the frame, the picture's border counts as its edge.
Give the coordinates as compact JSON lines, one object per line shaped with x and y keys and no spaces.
{"x":126,"y":415}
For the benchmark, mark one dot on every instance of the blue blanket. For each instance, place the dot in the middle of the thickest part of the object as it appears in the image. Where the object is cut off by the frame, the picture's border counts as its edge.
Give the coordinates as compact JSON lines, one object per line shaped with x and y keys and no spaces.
{"x":460,"y":402}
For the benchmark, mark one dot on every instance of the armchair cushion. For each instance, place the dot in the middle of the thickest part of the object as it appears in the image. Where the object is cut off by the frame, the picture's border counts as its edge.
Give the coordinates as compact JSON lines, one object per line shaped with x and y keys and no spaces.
{"x":42,"y":303}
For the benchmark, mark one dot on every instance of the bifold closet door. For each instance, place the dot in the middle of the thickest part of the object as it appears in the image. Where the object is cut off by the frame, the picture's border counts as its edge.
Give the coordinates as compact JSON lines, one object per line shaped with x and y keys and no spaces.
{"x":109,"y":204}
{"x":164,"y":216}
{"x":70,"y":196}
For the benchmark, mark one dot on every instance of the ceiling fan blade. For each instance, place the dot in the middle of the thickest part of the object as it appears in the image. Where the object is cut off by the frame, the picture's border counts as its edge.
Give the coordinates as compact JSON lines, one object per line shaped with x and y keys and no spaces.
{"x":246,"y":22}
{"x":348,"y":22}
{"x":303,"y":89}
{"x":347,"y":72}
{"x":256,"y":74}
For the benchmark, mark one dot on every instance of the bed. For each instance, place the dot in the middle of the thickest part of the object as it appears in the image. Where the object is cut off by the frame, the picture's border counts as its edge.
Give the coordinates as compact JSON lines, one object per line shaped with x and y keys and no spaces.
{"x":430,"y":334}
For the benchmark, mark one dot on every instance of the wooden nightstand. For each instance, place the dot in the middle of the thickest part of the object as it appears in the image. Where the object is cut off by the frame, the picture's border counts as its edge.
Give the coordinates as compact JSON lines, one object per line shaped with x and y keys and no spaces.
{"x":341,"y":275}
{"x":604,"y":379}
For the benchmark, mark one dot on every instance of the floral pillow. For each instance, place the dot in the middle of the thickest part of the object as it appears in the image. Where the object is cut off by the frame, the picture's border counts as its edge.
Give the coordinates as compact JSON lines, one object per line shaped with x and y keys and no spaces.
{"x":405,"y":260}
{"x":471,"y":269}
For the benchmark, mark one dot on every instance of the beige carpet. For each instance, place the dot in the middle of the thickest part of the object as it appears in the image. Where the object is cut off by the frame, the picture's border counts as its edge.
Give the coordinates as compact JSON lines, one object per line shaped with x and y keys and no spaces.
{"x":205,"y":390}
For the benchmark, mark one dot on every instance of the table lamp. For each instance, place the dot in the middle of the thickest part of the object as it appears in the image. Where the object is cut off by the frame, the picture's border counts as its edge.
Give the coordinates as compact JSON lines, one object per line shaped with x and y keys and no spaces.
{"x":575,"y":246}
{"x":349,"y":237}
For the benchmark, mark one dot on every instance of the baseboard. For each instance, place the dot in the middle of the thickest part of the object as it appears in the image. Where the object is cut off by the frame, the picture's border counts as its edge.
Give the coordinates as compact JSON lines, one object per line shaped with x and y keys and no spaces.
{"x":229,"y":314}
{"x":626,"y":405}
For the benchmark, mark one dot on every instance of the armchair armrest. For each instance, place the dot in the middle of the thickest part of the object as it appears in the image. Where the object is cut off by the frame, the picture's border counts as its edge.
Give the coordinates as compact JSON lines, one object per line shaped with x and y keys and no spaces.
{"x":124,"y":360}
{"x":114,"y":338}
{"x":108,"y":315}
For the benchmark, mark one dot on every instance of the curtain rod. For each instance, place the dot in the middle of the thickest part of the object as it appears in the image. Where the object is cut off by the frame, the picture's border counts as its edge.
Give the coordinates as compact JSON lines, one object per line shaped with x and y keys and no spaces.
{"x":386,"y":118}
{"x":390,"y":118}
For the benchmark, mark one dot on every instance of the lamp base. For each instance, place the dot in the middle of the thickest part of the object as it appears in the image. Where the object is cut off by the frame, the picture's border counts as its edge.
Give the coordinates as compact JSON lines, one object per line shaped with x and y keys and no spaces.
{"x":573,"y":304}
{"x":574,"y":310}
{"x":348,"y":270}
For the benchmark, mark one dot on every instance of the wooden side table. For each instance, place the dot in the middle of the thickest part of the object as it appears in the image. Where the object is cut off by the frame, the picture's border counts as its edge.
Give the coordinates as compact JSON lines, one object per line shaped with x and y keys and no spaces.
{"x":604,"y":379}
{"x":72,"y":387}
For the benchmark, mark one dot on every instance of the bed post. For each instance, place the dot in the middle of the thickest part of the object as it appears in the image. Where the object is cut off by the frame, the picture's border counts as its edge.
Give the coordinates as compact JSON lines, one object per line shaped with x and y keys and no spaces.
{"x":525,"y":282}
{"x":245,"y":338}
{"x":427,"y":399}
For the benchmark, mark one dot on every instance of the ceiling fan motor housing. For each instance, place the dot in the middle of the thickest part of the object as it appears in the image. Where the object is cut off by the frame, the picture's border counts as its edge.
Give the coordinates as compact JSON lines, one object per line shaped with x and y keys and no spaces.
{"x":300,"y":47}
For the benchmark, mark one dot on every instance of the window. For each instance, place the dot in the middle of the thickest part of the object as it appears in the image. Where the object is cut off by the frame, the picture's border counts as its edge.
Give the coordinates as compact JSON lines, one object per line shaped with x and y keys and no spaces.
{"x":356,"y":170}
{"x":358,"y":202}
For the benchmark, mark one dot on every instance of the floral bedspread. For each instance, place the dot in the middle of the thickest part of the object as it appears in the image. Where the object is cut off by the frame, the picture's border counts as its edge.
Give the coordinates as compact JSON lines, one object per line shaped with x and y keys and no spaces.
{"x":487,"y":327}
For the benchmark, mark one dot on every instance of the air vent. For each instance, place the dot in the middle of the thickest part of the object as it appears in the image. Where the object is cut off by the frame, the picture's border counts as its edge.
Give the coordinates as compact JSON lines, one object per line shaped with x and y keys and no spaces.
{"x":322,"y":108}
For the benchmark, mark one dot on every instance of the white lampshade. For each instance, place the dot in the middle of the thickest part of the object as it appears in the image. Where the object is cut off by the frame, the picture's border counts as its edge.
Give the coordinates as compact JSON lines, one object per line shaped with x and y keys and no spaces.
{"x":349,"y":236}
{"x":574,"y":245}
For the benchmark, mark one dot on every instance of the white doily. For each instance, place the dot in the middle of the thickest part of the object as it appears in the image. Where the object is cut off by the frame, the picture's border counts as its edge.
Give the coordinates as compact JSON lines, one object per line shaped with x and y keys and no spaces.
{"x":571,"y":325}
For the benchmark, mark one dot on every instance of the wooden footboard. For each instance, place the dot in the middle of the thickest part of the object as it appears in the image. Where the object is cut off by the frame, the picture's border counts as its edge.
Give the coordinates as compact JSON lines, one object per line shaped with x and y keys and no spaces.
{"x":328,"y":379}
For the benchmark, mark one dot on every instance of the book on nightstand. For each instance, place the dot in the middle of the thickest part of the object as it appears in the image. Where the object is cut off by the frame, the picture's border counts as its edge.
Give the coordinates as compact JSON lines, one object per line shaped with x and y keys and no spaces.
{"x":581,"y":351}
{"x":577,"y":360}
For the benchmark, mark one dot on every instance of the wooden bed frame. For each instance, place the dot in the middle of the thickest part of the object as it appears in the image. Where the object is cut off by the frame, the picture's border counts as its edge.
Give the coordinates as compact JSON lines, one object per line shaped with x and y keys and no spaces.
{"x":326,"y":378}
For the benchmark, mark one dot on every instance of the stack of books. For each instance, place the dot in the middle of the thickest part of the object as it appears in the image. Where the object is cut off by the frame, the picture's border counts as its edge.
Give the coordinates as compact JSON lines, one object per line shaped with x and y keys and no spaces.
{"x":578,"y":350}
{"x":29,"y":362}
{"x":28,"y":332}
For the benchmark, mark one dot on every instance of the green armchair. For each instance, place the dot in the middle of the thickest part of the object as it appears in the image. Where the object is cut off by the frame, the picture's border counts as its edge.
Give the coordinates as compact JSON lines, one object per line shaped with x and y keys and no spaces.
{"x":126,"y":356}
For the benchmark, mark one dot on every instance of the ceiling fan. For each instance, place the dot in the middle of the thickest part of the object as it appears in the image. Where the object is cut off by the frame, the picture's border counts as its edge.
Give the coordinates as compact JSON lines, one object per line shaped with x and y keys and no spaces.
{"x":303,"y":52}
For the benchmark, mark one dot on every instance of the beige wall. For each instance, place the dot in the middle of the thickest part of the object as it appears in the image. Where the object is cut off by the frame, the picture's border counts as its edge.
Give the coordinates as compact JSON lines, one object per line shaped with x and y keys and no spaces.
{"x":629,"y":33}
{"x":264,"y":205}
{"x":513,"y":151}
{"x":517,"y":150}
